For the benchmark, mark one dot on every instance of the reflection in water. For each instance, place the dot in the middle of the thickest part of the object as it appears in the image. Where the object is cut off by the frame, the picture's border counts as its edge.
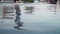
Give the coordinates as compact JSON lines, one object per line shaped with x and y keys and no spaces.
{"x":18,"y":14}
{"x":4,"y":11}
{"x":53,"y":7}
{"x":41,"y":22}
{"x":29,"y":10}
{"x":8,"y":12}
{"x":55,"y":11}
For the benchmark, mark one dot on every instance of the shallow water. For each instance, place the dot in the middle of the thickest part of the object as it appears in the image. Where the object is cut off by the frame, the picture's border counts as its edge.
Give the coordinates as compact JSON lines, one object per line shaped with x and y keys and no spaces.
{"x":43,"y":19}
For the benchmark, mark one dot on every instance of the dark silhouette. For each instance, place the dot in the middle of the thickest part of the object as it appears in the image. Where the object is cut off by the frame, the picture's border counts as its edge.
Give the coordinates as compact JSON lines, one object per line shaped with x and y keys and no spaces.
{"x":59,"y":1}
{"x":18,"y":14}
{"x":0,"y":0}
{"x":53,"y":1}
{"x":15,"y":1}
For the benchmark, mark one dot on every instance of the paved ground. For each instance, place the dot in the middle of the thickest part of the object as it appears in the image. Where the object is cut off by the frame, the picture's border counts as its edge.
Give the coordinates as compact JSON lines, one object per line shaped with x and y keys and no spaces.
{"x":44,"y":19}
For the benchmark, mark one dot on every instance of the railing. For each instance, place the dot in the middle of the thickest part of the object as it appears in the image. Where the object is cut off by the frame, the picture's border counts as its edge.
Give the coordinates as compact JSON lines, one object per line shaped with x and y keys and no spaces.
{"x":7,"y":11}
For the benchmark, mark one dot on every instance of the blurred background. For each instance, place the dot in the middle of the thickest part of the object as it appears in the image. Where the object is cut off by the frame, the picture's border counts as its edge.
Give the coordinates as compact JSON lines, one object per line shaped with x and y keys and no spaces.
{"x":39,"y":17}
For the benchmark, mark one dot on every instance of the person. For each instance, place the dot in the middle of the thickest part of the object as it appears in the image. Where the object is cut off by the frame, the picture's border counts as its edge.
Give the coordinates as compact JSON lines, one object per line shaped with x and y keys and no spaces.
{"x":17,"y":20}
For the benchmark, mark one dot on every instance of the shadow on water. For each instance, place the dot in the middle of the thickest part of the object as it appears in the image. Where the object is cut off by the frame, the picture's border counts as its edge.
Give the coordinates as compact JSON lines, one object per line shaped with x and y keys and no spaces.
{"x":12,"y":31}
{"x":8,"y":31}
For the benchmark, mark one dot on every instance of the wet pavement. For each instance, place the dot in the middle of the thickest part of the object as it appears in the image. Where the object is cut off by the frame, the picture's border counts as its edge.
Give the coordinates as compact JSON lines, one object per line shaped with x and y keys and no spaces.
{"x":43,"y":18}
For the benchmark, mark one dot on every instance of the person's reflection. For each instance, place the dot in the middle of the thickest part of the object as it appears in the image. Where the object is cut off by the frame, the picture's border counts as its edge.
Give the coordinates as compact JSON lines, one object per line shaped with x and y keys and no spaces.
{"x":4,"y":11}
{"x":55,"y":10}
{"x":53,"y":5}
{"x":29,"y":10}
{"x":18,"y":14}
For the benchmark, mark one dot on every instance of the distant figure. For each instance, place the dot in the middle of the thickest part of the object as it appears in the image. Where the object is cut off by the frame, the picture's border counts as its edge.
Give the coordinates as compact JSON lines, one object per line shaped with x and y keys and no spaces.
{"x":17,"y":20}
{"x":4,"y":11}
